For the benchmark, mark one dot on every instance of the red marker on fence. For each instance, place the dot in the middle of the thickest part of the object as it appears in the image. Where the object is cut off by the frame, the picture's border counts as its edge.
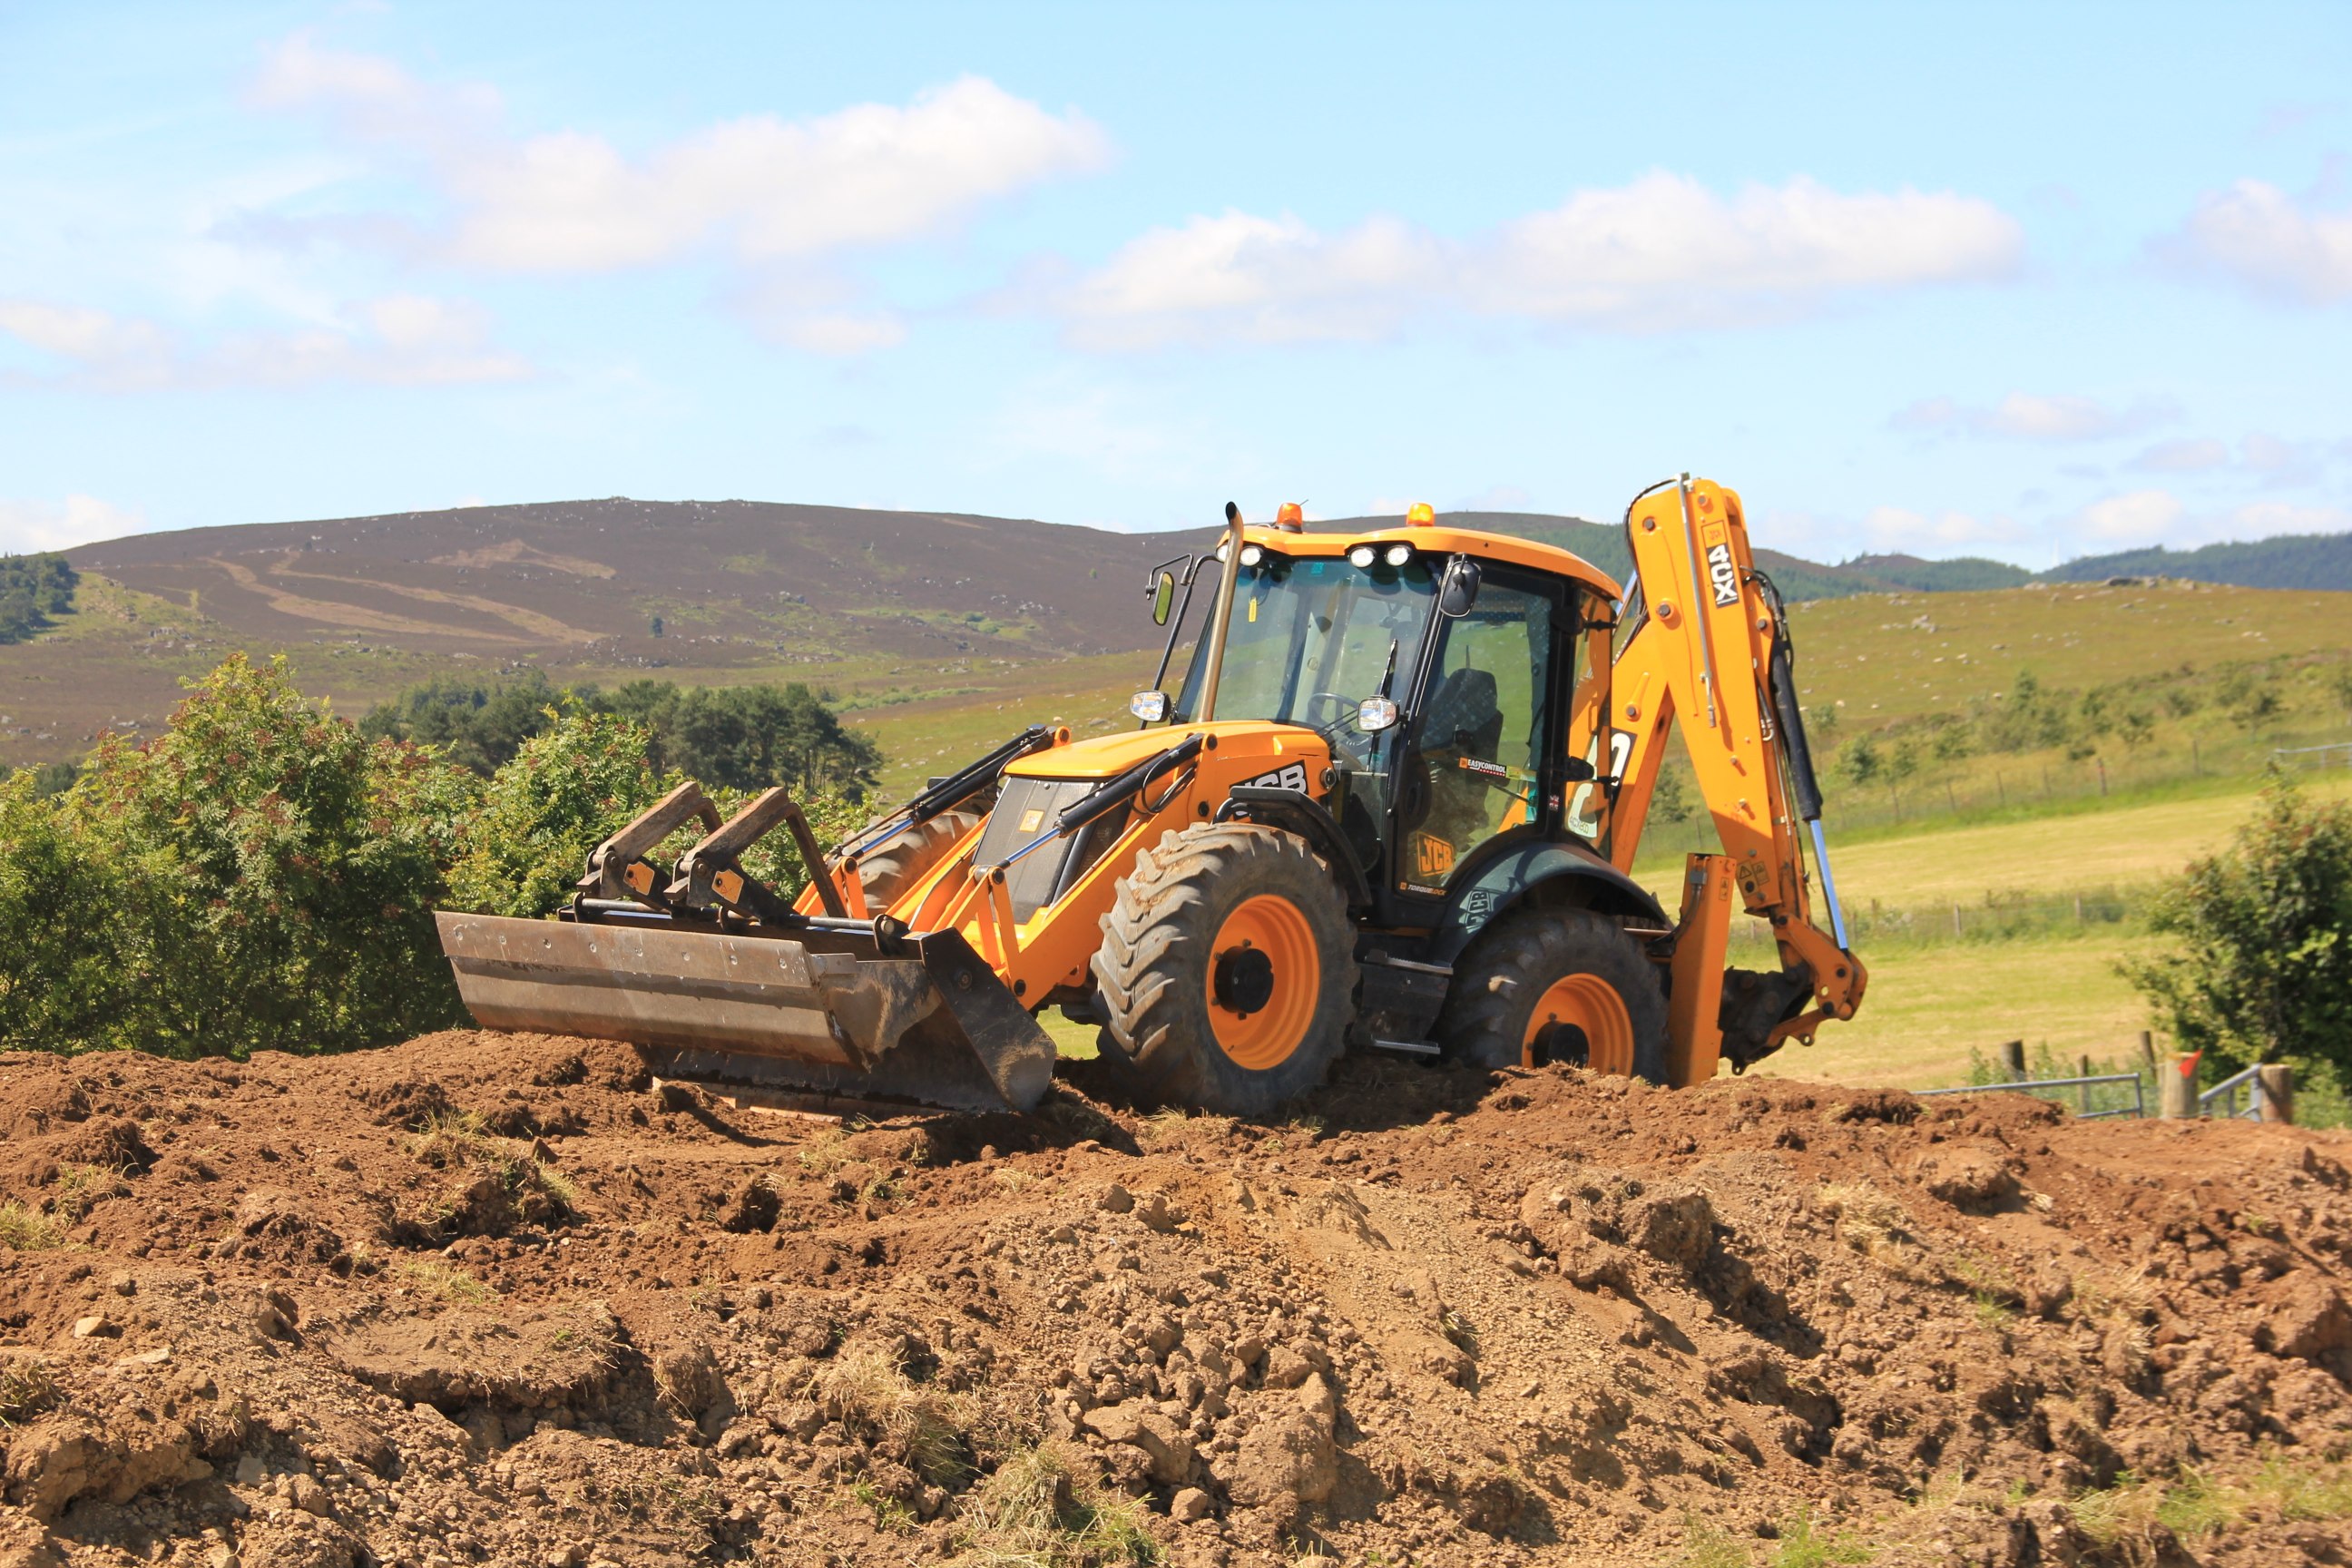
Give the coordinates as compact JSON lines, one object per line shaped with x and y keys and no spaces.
{"x":2188,"y":1063}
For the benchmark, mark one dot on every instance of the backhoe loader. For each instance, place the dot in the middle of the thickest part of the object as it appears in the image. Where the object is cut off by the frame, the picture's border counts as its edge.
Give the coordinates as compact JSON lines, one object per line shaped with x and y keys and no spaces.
{"x":1391,"y":806}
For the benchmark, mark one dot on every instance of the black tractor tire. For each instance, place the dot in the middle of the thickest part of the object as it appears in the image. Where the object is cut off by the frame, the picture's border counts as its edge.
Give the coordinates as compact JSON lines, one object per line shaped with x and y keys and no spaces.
{"x":904,"y":859}
{"x":1566,"y":962}
{"x":1220,"y":924}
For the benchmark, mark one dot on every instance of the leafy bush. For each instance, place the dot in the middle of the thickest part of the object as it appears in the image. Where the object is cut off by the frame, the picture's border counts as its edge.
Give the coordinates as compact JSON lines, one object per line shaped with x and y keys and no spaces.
{"x":270,"y":875}
{"x":2265,"y":930}
{"x":567,"y":787}
{"x":263,"y":875}
{"x":59,"y":959}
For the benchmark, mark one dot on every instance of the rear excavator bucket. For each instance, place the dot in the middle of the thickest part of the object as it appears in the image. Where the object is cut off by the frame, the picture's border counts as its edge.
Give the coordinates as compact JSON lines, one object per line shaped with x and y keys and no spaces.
{"x":726,"y":981}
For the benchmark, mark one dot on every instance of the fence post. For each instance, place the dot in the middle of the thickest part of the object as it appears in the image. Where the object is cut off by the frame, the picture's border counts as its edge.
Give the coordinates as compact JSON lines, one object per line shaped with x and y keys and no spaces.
{"x":2083,"y":1069}
{"x":2147,"y":1052}
{"x":1956,"y":922}
{"x":2277,"y":1080}
{"x":2176,"y":1088}
{"x":2012,"y":1058}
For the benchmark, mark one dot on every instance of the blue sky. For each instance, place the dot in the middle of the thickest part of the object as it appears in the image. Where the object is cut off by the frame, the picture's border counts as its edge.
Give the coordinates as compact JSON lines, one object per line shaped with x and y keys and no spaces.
{"x":2029,"y":281}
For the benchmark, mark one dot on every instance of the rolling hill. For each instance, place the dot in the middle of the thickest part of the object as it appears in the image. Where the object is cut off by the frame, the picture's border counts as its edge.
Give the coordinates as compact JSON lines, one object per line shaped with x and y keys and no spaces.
{"x":938,"y":631}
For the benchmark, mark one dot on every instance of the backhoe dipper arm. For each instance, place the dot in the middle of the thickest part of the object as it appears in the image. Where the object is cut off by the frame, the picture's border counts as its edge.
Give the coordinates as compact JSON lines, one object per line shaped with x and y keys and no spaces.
{"x":1710,"y":649}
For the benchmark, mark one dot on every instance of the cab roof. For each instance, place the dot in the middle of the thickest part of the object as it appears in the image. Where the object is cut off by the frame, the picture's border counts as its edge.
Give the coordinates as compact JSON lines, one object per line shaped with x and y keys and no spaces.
{"x":1436,"y":539}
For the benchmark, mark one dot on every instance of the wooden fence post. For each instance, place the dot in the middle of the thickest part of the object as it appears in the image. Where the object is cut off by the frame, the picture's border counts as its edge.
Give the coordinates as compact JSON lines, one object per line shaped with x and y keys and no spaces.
{"x":2278,"y":1093}
{"x":2083,"y":1069}
{"x":2012,"y":1058}
{"x":2176,"y":1087}
{"x":2147,"y":1052}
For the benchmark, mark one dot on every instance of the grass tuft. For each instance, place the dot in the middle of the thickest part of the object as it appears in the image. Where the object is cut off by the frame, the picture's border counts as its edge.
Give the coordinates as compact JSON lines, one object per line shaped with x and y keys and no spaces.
{"x":1035,"y":1511}
{"x":1804,"y":1545}
{"x":869,"y":1394}
{"x":27,"y":1229}
{"x":1706,"y":1545}
{"x":440,"y":1279}
{"x":26,"y":1388}
{"x":460,"y":1140}
{"x":2195,"y":1505}
{"x":81,"y":1188}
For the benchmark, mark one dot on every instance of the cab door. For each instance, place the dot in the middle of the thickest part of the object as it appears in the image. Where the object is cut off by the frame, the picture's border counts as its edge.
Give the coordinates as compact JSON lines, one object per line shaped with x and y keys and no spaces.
{"x":1476,"y":767}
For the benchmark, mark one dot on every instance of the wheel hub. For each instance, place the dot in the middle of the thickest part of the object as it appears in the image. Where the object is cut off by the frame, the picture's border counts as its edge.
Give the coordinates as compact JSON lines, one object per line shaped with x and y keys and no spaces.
{"x":1244,"y":979}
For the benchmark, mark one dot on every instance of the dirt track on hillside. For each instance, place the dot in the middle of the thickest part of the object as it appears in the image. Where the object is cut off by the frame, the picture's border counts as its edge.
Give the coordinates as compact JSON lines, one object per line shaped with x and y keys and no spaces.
{"x":504,"y":1299}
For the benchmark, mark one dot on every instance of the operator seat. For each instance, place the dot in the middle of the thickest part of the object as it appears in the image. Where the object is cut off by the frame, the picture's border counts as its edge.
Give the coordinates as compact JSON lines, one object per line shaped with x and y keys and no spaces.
{"x":1463,"y":718}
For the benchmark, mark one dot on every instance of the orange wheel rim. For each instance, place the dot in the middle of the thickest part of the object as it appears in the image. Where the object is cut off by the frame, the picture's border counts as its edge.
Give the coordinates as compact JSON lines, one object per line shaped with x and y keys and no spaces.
{"x":1588,"y":1003}
{"x":1265,"y":979}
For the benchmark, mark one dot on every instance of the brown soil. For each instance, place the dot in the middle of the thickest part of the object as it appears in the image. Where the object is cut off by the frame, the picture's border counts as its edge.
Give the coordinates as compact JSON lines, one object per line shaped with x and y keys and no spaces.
{"x":505,"y":1299}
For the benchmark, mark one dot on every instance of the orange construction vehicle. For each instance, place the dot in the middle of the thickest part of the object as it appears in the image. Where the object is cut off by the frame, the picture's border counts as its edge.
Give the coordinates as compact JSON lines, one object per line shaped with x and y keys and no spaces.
{"x":1392,"y":805}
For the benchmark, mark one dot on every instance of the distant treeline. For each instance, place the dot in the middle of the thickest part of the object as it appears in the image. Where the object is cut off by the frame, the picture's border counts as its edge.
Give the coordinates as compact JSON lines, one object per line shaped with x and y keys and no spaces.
{"x":739,"y":737}
{"x":2290,"y":561}
{"x":32,"y":589}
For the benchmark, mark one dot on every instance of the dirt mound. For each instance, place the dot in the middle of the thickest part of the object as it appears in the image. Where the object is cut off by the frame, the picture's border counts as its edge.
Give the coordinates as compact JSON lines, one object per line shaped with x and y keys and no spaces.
{"x":506,"y":1298}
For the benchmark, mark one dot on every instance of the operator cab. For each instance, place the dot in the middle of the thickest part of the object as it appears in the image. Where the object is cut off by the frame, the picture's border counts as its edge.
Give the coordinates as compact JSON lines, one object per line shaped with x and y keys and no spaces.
{"x":1450,"y":673}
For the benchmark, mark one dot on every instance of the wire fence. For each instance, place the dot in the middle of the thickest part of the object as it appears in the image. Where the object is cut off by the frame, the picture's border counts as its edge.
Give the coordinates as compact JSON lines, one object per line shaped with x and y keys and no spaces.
{"x":2101,"y":1094}
{"x":2337,"y":754}
{"x":1996,"y":917}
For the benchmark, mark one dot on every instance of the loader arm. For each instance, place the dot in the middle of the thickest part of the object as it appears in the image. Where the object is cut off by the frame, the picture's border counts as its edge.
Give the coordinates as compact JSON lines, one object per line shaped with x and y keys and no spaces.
{"x":1705,"y":649}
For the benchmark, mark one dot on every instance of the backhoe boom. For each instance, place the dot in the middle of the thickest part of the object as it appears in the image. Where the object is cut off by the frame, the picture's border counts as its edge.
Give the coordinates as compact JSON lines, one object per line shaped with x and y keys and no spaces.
{"x":1705,"y":647}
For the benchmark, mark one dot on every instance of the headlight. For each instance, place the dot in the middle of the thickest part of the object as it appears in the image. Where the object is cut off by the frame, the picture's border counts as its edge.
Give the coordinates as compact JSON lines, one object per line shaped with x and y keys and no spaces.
{"x":1361,"y":555}
{"x":1149,"y":706}
{"x":1222,"y":546}
{"x":1399,"y":555}
{"x":1252,"y":554}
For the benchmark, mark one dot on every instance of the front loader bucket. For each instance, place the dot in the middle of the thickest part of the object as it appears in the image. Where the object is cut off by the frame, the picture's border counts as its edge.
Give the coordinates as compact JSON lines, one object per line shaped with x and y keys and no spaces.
{"x":834,"y":1013}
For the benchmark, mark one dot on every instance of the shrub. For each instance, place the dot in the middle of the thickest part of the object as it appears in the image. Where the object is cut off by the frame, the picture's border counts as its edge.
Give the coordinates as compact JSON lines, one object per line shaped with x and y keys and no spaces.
{"x":271,"y":875}
{"x":58,"y":957}
{"x":2263,"y":959}
{"x":567,"y":787}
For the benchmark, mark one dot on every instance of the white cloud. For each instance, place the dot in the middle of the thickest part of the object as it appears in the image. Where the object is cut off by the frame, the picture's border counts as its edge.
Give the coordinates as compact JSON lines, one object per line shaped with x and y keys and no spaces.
{"x":2137,"y":517}
{"x":763,"y":189}
{"x":1660,"y":254}
{"x":2255,"y":235}
{"x":400,"y":340}
{"x":2158,"y":517}
{"x":32,"y":525}
{"x":2182,"y":455}
{"x":2032,"y":416}
{"x":1899,"y":529}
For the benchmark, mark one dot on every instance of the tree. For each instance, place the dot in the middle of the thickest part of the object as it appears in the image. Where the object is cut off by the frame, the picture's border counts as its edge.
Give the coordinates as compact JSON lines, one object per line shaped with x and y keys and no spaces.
{"x":567,"y":787}
{"x":2263,"y":960}
{"x":32,"y":589}
{"x":272,"y":874}
{"x":1861,"y":759}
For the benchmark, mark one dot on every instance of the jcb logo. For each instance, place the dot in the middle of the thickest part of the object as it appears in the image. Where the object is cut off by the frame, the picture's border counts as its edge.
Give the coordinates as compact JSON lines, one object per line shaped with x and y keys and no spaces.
{"x":1433,"y":857}
{"x":1291,"y":777}
{"x":1724,"y":573}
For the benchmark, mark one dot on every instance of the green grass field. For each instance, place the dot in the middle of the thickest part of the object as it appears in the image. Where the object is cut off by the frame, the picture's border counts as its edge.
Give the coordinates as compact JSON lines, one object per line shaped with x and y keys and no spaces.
{"x":1934,"y":998}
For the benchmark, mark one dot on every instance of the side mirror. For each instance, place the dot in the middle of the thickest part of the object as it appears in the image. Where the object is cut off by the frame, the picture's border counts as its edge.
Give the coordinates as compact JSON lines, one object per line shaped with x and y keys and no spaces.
{"x":1163,"y":596}
{"x":1576,"y":770}
{"x":1460,"y":590}
{"x":1374,"y":714}
{"x":1151,"y":707}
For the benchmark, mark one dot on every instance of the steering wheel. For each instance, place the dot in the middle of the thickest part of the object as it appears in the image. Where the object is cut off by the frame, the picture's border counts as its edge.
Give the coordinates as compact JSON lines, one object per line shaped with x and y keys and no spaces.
{"x":1340,"y":706}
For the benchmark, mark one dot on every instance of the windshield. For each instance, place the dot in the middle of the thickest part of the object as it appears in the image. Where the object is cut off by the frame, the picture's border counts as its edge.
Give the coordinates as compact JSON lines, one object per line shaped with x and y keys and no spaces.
{"x":1310,"y":639}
